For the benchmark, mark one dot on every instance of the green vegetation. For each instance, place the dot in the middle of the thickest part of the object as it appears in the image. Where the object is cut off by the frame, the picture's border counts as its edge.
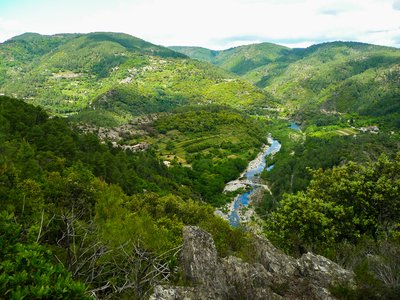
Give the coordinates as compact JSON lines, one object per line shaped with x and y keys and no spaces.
{"x":115,"y":76}
{"x":216,"y":142}
{"x":203,"y":146}
{"x":27,"y":269}
{"x":343,"y":203}
{"x":319,"y":147}
{"x":110,"y":217}
{"x":327,"y":197}
{"x":350,"y":213}
{"x":199,"y":53}
{"x":321,"y":80}
{"x":240,"y":60}
{"x":82,"y":217}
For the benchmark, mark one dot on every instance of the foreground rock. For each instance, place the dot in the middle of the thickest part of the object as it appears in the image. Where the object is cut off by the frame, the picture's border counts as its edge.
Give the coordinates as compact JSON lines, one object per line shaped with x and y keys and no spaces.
{"x":272,"y":275}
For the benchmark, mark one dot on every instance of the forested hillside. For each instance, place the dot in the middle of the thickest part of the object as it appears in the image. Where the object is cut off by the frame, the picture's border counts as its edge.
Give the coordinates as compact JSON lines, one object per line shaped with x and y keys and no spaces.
{"x":239,"y":60}
{"x":81,"y":218}
{"x":117,"y":75}
{"x":324,"y":79}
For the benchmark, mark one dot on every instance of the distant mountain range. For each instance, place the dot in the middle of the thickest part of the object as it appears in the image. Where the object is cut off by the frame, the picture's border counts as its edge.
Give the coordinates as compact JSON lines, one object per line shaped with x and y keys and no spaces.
{"x":344,"y":77}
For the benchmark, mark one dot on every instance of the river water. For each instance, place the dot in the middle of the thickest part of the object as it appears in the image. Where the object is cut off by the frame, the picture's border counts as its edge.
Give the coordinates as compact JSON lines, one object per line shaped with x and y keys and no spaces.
{"x":250,"y":177}
{"x":295,"y":126}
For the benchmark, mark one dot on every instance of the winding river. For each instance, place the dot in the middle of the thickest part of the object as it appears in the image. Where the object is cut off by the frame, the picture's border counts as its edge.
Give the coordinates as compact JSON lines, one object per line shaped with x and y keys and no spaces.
{"x":248,"y":179}
{"x":235,"y":212}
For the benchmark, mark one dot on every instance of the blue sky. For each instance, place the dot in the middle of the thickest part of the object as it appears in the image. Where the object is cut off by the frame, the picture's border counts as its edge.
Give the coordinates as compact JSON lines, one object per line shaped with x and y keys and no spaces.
{"x":215,"y":24}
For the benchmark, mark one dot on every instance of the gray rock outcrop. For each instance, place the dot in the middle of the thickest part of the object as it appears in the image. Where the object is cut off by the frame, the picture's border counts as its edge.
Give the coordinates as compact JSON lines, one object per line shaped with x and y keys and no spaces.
{"x":272,"y":275}
{"x":200,"y":260}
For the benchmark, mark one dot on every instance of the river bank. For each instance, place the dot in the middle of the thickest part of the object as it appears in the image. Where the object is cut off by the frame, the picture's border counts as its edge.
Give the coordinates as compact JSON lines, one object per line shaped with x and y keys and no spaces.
{"x":241,"y":210}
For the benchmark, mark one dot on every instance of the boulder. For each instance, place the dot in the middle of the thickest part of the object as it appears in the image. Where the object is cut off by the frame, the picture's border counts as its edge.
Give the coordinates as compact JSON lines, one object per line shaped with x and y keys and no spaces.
{"x":321,"y":269}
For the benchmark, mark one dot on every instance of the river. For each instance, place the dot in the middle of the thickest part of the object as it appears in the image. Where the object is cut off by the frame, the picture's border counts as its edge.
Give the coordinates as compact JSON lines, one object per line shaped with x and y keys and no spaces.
{"x":238,"y":211}
{"x":295,"y":126}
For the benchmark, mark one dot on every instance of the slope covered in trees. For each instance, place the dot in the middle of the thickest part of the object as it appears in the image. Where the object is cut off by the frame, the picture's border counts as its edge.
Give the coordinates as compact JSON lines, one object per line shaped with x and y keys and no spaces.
{"x":324,"y":79}
{"x":342,"y":77}
{"x":115,"y":74}
{"x":350,"y":213}
{"x":321,"y":147}
{"x":90,"y":218}
{"x":239,"y":60}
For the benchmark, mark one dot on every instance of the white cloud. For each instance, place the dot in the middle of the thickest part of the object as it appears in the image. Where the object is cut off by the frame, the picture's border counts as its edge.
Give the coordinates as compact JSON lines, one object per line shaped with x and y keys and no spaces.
{"x":216,"y":23}
{"x":10,"y":28}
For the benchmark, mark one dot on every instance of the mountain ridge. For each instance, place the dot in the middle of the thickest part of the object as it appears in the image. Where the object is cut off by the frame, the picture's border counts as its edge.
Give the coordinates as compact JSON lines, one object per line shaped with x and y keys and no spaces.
{"x":68,"y":75}
{"x":343,"y":77}
{"x":233,"y":59}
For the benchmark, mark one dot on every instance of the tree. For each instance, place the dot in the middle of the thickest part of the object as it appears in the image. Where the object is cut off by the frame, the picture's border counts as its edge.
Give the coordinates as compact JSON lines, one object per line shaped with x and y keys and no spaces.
{"x":341,"y":204}
{"x":27,"y":271}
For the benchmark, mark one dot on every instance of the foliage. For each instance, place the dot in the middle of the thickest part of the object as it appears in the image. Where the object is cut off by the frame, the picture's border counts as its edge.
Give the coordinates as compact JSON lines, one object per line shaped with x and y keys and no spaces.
{"x":27,"y":269}
{"x":319,"y":147}
{"x":341,"y":204}
{"x":376,"y":267}
{"x":216,"y":142}
{"x":113,"y":218}
{"x":113,"y":75}
{"x":239,"y":60}
{"x":345,"y":77}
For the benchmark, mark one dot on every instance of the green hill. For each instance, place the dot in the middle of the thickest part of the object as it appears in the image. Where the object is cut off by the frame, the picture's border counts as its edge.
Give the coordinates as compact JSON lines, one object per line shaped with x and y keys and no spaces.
{"x":346,"y":77}
{"x":240,"y":60}
{"x":198,"y":53}
{"x":329,"y":78}
{"x":115,"y":74}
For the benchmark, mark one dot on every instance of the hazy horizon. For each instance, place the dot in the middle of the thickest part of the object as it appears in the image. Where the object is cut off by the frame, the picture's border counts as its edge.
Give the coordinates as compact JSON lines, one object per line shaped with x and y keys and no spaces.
{"x":240,"y":45}
{"x":217,"y":24}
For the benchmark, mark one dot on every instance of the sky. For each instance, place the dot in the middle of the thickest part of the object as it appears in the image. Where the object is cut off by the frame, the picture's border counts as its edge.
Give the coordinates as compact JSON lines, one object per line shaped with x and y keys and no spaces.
{"x":214,"y":24}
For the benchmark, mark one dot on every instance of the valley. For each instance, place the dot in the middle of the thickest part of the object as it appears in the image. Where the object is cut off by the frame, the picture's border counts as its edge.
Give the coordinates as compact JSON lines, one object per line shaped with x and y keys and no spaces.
{"x":111,"y":146}
{"x":241,"y":211}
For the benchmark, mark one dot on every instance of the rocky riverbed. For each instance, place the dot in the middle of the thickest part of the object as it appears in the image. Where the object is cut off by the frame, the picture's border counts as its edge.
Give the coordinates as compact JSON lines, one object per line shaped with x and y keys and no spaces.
{"x":241,"y":210}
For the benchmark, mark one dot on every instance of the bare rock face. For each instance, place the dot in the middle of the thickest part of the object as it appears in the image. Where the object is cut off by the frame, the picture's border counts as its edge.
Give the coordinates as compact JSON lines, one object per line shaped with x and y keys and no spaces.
{"x":228,"y":278}
{"x":273,"y":275}
{"x":321,"y":272}
{"x":246,"y":281}
{"x":183,"y":293}
{"x":273,"y":259}
{"x":200,"y":260}
{"x":321,"y":269}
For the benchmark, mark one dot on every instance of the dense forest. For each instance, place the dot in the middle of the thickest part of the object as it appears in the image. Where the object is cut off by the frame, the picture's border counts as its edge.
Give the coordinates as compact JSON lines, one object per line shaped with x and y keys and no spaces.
{"x":83,"y":218}
{"x":350,"y":214}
